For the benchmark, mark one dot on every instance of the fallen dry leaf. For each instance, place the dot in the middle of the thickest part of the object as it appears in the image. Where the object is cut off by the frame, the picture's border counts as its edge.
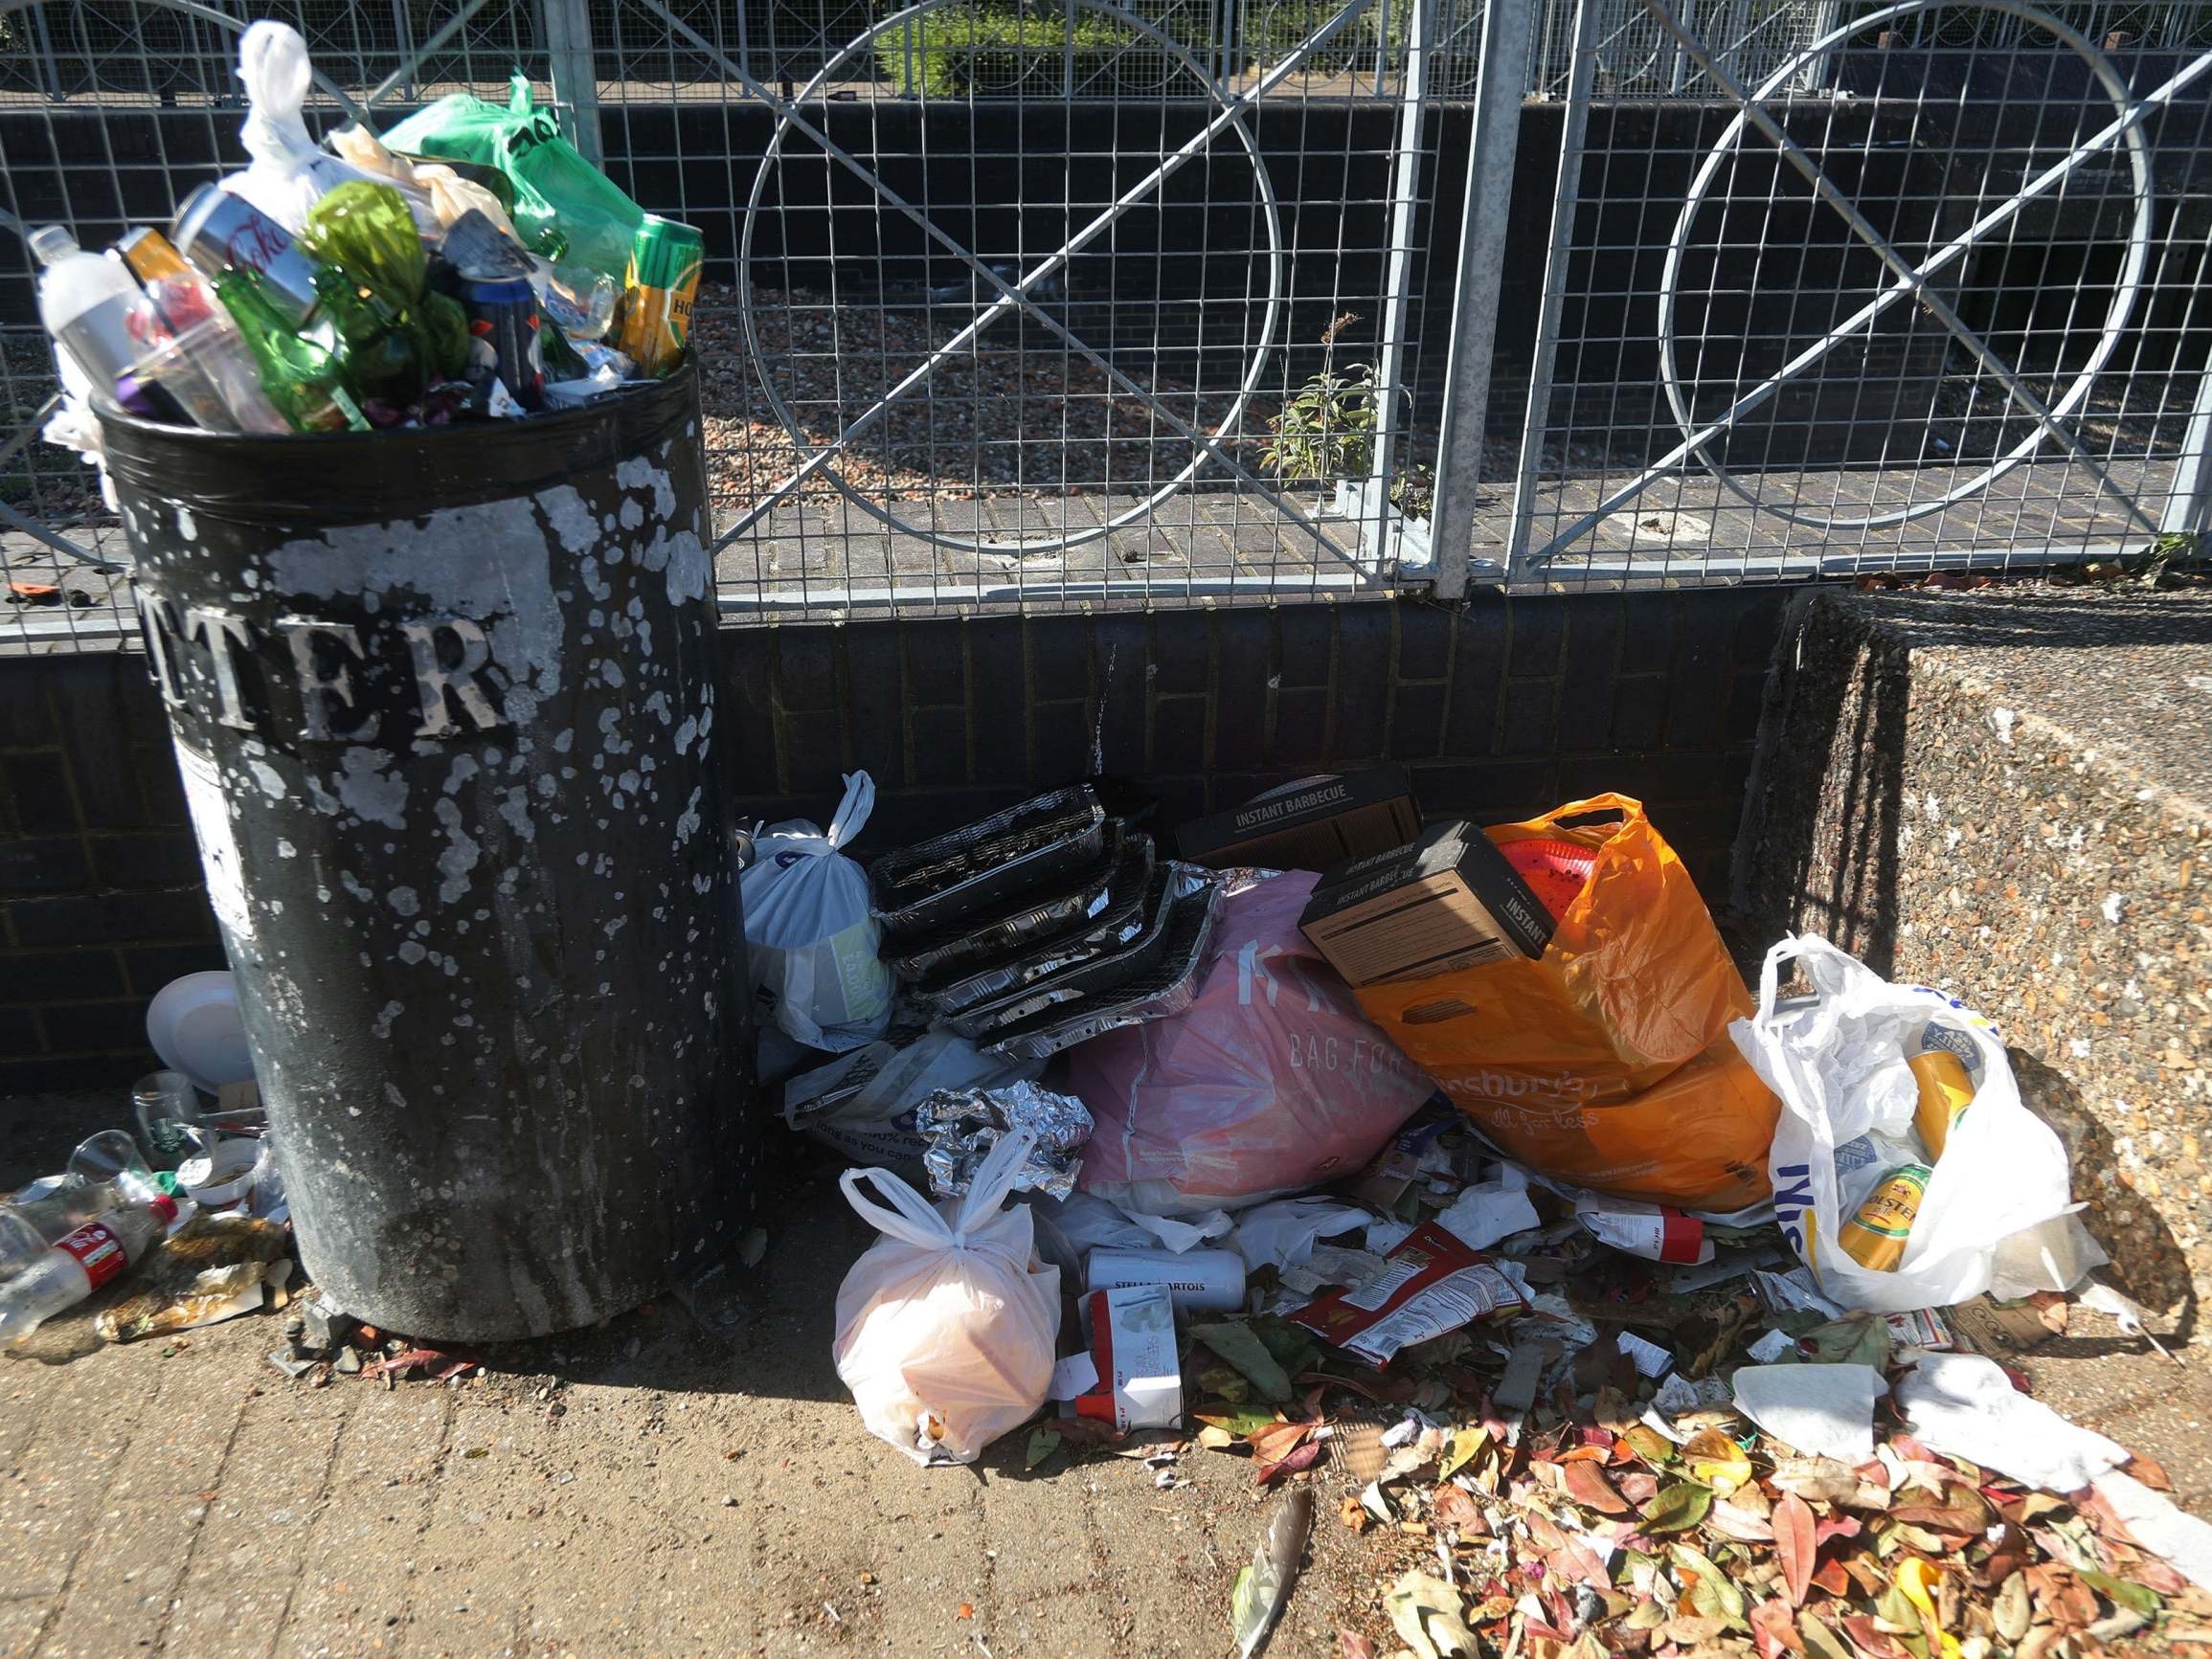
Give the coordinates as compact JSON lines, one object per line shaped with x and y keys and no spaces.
{"x":1454,"y":1508}
{"x":1354,"y":1513}
{"x":1303,"y":1457}
{"x":2151,"y":1473}
{"x":1775,"y":1631}
{"x":1794,"y":1545}
{"x":1424,"y":1612}
{"x":1273,"y":1442}
{"x":1716,"y":1460}
{"x":1820,"y":1480}
{"x":1731,"y":1520}
{"x":1588,"y":1486}
{"x":1678,"y":1507}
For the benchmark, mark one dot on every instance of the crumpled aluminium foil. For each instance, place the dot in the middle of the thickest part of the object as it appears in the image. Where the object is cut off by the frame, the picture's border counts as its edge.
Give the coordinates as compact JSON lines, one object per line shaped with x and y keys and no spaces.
{"x":962,"y":1125}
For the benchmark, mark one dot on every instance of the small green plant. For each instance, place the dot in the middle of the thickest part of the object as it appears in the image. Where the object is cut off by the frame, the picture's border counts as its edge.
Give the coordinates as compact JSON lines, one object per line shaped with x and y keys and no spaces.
{"x":2166,"y":552}
{"x":1327,"y":430}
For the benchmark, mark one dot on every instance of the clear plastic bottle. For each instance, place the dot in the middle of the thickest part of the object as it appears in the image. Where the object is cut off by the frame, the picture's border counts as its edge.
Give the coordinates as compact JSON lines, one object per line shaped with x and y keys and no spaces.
{"x":94,"y":309}
{"x":80,"y":1264}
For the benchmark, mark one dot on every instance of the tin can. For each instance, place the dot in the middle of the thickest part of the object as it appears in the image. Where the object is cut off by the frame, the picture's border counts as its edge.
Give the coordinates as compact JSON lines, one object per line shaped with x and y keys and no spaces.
{"x":219,"y":232}
{"x":1876,"y":1237}
{"x":502,"y":313}
{"x":658,"y":288}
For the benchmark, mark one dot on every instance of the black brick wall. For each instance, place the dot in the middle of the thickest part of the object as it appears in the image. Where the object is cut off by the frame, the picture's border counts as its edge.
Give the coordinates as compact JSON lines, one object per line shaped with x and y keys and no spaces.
{"x":1501,"y":711}
{"x":101,"y":901}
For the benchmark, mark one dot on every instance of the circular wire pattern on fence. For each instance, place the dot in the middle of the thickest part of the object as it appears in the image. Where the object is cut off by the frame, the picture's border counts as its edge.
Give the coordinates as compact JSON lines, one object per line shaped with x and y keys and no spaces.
{"x":2124,"y":297}
{"x":991,"y":282}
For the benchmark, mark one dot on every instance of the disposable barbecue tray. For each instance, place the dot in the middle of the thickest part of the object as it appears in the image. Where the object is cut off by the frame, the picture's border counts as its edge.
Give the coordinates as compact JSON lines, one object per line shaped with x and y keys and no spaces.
{"x":974,"y":941}
{"x":1108,"y":922}
{"x":929,"y":885}
{"x":1164,"y":984}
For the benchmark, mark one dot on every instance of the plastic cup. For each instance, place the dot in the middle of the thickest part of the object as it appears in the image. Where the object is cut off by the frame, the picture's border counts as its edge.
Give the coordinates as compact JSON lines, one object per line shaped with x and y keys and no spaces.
{"x":168,"y":1109}
{"x":207,"y":369}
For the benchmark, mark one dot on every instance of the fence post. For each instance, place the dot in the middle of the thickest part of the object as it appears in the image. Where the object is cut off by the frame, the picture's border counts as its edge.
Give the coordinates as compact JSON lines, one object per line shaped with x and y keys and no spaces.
{"x":1582,"y":73}
{"x":576,"y":81}
{"x":1482,"y":231}
{"x":1376,"y":519}
{"x":2189,"y":500}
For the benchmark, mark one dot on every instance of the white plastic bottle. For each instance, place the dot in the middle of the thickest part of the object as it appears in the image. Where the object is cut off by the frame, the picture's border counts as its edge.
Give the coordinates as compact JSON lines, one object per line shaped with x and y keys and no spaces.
{"x":94,"y":308}
{"x":79,"y":1265}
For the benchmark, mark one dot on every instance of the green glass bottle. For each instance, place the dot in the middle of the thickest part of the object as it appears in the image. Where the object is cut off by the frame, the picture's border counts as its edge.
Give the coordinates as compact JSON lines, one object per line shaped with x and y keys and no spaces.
{"x":370,"y":276}
{"x":378,"y":357}
{"x":301,"y":377}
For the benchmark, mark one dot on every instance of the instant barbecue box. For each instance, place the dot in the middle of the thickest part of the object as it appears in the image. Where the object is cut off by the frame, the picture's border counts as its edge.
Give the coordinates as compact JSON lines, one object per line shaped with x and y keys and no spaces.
{"x":1308,"y":825}
{"x":1447,"y":901}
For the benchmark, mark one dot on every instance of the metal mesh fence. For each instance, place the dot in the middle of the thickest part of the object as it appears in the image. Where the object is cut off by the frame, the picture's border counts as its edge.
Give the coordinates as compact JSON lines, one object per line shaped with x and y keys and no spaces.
{"x":1048,"y":303}
{"x":1007,"y":307}
{"x":1946,"y":311}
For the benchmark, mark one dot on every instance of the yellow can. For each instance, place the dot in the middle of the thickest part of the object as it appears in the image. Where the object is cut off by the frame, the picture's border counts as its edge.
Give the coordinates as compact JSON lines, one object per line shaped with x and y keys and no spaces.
{"x":654,"y":317}
{"x":1946,"y":1091}
{"x":1875,"y":1237}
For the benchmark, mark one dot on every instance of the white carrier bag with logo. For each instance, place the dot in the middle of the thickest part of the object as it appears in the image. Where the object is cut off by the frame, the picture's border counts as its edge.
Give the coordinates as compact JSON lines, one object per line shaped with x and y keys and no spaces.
{"x":811,"y":946}
{"x":1839,"y":1061}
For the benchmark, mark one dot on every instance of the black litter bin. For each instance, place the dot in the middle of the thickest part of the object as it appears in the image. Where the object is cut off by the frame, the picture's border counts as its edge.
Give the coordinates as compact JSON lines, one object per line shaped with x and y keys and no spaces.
{"x":445,"y":706}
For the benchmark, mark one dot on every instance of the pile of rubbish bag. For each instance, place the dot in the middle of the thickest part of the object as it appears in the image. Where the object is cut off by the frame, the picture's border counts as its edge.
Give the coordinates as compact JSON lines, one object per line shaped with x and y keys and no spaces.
{"x":182,"y":1222}
{"x":469,"y":264}
{"x":1650,"y":1312}
{"x":188,"y":1217}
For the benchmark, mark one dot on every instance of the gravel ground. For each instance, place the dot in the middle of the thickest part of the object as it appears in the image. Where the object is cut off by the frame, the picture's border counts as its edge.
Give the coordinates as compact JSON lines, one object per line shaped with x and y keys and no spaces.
{"x":1017,"y":414}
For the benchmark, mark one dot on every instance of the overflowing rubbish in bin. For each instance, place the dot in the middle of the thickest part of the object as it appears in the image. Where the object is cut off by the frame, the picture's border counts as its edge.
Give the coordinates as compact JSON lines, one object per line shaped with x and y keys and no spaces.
{"x":1632,"y":1310}
{"x":469,"y":264}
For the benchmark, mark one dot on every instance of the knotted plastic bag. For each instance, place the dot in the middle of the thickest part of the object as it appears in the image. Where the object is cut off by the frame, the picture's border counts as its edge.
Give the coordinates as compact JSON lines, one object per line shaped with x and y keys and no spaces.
{"x":435,"y":195}
{"x":810,"y":941}
{"x":1270,"y":1082}
{"x":1605,"y":1063}
{"x":946,"y":1327}
{"x":289,"y":172}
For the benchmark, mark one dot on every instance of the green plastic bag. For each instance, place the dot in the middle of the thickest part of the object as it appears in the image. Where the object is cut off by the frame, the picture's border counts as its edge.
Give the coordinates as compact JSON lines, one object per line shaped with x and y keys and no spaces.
{"x":564,"y":207}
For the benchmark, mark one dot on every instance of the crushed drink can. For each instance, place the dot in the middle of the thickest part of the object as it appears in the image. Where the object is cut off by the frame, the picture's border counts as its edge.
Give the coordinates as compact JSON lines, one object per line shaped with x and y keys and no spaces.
{"x":658,"y":288}
{"x":502,"y":313}
{"x":219,"y":232}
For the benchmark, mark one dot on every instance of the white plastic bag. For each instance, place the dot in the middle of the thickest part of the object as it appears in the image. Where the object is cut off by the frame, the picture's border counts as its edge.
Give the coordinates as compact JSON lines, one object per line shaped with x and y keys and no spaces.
{"x":946,"y":1327}
{"x":1837,"y":1061}
{"x":289,"y":172}
{"x":810,"y":942}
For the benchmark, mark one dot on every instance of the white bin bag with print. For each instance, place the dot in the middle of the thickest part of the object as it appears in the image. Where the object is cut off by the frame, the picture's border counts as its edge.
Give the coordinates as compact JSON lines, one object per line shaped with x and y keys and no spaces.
{"x":946,"y":1328}
{"x":1838,"y":1060}
{"x":811,"y":945}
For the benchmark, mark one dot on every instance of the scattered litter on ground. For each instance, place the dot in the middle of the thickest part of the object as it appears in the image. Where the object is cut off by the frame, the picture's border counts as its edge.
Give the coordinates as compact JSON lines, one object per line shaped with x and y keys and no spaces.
{"x":1574,"y":1411}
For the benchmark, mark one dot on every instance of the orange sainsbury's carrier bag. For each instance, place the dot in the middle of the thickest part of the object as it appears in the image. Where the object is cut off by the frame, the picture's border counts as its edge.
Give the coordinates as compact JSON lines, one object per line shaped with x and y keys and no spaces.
{"x":1606,"y":1063}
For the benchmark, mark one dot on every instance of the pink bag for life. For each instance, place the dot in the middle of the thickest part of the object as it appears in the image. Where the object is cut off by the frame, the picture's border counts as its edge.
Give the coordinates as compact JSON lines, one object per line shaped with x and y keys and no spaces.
{"x":1273,"y":1081}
